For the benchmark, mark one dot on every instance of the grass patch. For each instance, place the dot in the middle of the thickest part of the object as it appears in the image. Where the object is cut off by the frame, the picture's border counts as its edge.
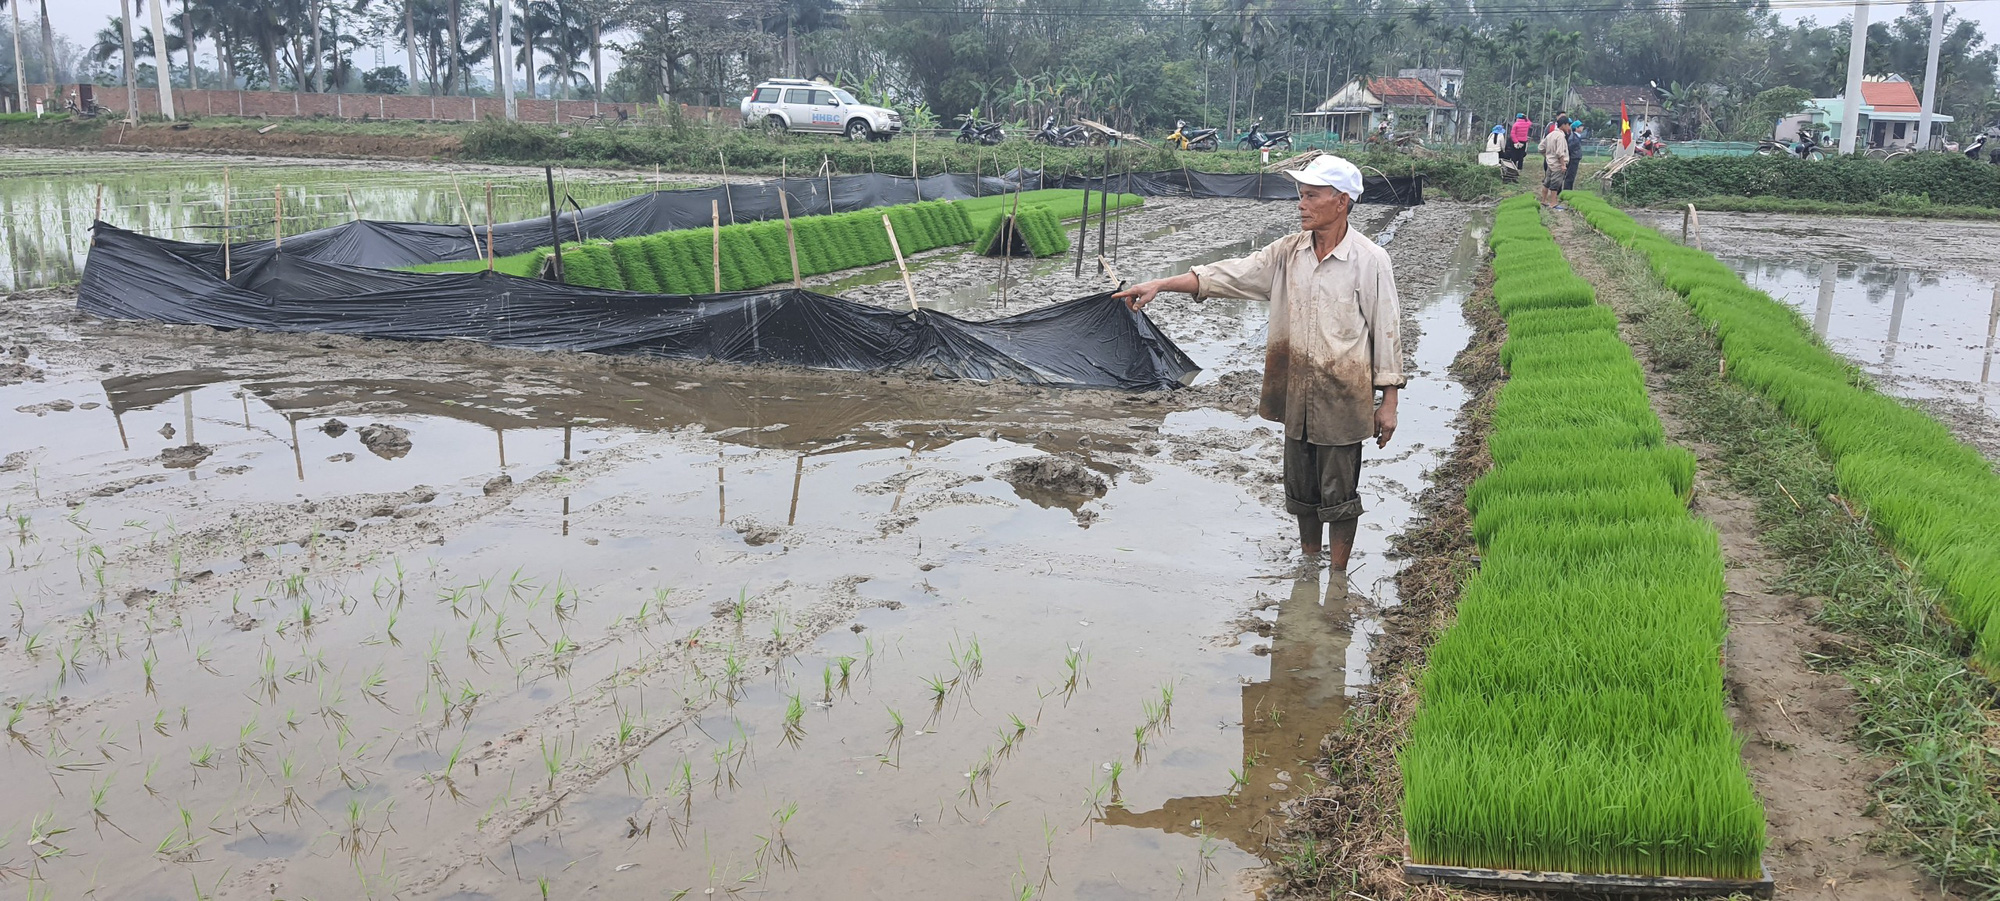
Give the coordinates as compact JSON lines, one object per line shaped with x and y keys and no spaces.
{"x":1920,"y":706}
{"x":1571,"y":718}
{"x":1932,"y":498}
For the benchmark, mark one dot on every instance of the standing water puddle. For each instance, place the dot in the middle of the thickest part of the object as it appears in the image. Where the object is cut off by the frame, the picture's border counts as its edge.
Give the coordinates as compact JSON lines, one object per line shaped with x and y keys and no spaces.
{"x":1924,"y":333}
{"x":802,"y":635}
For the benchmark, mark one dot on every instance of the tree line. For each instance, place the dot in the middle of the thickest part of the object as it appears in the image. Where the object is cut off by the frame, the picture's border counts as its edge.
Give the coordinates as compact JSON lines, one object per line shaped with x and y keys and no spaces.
{"x":1723,"y":68}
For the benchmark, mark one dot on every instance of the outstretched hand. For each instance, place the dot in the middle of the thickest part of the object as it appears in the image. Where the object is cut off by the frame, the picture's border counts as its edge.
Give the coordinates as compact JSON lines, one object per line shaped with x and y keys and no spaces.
{"x":1139,"y":295}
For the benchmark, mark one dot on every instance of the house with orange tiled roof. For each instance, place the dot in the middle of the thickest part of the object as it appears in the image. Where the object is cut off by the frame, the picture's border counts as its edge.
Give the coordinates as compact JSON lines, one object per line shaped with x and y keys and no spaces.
{"x":1889,"y":113}
{"x":1363,"y":106}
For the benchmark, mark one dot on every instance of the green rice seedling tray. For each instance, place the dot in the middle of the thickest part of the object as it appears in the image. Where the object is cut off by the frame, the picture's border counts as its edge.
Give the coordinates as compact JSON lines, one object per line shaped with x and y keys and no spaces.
{"x":1589,"y":883}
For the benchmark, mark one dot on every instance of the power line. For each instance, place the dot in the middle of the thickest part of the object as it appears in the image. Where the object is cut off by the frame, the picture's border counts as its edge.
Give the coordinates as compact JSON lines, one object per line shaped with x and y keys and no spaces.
{"x":1551,"y":9}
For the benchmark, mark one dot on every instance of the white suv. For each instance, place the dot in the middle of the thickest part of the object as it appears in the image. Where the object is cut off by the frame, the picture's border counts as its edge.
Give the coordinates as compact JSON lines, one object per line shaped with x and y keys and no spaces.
{"x":791,"y":104}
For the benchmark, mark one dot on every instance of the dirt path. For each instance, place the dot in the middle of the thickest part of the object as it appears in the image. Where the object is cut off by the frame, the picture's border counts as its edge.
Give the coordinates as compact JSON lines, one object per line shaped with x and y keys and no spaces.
{"x":1813,"y":778}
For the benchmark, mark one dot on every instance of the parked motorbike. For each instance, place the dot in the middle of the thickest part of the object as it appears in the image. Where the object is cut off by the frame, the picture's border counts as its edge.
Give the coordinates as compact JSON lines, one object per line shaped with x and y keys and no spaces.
{"x":87,"y":110}
{"x":1185,"y":138}
{"x":1651,"y":146}
{"x":1977,"y":147}
{"x":1072,"y":136}
{"x":975,"y":131}
{"x":1259,"y":139}
{"x":1807,"y":147}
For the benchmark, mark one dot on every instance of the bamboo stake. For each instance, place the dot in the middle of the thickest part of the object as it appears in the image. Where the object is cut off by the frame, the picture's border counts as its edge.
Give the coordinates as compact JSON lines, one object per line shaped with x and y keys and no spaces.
{"x":278,"y":217}
{"x":791,"y":241}
{"x":725,"y":187}
{"x":826,"y":164}
{"x":1007,"y":240}
{"x":489,"y":226}
{"x":715,"y":243}
{"x":465,"y":213}
{"x":1103,"y":206}
{"x":914,"y":183}
{"x":352,"y":208}
{"x":225,"y":223}
{"x":1082,"y":229}
{"x":908,"y":288}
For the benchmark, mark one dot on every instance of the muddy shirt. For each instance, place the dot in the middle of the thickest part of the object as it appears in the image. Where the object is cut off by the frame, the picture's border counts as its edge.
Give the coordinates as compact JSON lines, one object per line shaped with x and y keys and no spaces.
{"x":1333,"y":336}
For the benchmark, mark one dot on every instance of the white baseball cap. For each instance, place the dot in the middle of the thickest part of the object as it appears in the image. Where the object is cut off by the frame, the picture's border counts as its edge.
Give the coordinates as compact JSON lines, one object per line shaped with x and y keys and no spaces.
{"x":1330,"y":171}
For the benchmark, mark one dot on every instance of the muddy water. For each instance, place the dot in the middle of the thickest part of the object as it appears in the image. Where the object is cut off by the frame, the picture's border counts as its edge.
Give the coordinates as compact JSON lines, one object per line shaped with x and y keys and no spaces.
{"x":670,"y":649}
{"x":47,"y":201}
{"x":1925,"y":333}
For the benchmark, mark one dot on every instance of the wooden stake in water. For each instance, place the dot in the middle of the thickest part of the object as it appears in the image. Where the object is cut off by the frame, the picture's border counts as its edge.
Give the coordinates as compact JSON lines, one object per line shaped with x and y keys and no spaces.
{"x":725,"y":187}
{"x":826,"y":165}
{"x":791,"y":241}
{"x":715,"y":243}
{"x":278,"y":217}
{"x":97,"y":215}
{"x":489,"y":226}
{"x":352,"y":208}
{"x":1007,"y":238}
{"x":225,"y":223}
{"x":465,"y":214}
{"x":1082,"y":230}
{"x":1103,"y":207}
{"x":1992,"y":325}
{"x":908,"y":288}
{"x":915,"y":184}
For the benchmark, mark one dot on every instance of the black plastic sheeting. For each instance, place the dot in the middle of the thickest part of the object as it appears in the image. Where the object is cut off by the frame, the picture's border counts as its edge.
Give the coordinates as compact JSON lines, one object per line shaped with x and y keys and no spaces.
{"x":390,"y":245}
{"x":1090,"y":342}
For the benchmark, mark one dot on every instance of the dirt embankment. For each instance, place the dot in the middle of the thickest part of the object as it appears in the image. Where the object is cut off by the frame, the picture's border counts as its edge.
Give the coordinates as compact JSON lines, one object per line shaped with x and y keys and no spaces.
{"x":280,"y":141}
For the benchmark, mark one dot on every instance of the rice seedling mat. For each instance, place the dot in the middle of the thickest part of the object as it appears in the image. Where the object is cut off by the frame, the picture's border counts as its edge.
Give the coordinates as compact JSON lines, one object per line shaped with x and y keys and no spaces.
{"x":1592,"y":883}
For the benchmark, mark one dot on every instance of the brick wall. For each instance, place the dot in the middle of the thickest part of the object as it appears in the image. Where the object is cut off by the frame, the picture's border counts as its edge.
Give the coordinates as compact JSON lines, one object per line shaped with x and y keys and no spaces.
{"x":279,"y":104}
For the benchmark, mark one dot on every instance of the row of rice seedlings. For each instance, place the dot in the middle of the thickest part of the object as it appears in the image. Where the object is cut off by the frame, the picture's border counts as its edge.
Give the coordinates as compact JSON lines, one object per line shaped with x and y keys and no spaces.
{"x":755,"y":254}
{"x":1572,"y":717}
{"x":1931,"y":497}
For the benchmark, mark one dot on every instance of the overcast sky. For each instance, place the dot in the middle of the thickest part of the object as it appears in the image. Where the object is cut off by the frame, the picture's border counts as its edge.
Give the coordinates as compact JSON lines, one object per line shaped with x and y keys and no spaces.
{"x":79,"y":19}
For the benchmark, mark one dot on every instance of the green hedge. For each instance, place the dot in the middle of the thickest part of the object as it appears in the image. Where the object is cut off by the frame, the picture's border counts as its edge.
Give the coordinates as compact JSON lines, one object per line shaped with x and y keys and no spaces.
{"x":1940,"y":178}
{"x":754,"y":253}
{"x":1037,"y":227}
{"x":1571,"y":718}
{"x":1931,"y":497}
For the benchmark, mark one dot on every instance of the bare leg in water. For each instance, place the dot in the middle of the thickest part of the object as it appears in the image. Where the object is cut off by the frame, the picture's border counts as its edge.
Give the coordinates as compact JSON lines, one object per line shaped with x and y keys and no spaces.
{"x":1341,"y":533}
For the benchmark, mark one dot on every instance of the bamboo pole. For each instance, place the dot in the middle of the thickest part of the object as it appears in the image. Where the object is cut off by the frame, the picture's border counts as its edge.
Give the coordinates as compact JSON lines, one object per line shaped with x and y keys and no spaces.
{"x":914,"y":182}
{"x":1082,"y":229}
{"x":278,"y":217}
{"x":726,"y":195}
{"x":97,"y":215}
{"x":1103,"y":206}
{"x":465,"y":213}
{"x":1007,"y":240}
{"x":352,"y":208}
{"x":489,"y":226}
{"x":908,"y":288}
{"x":555,"y":230}
{"x":791,"y":240}
{"x":225,"y":224}
{"x":715,"y":241}
{"x":826,"y":164}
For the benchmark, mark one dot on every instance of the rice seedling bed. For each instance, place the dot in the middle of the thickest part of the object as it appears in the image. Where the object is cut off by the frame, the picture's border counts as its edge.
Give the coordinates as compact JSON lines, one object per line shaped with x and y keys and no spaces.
{"x":754,"y":254}
{"x":1571,"y":721}
{"x":1933,"y":499}
{"x":1574,"y":883}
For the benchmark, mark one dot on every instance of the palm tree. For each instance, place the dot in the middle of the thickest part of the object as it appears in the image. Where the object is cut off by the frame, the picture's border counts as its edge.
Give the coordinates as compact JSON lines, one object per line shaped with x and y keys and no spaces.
{"x":20,"y":66}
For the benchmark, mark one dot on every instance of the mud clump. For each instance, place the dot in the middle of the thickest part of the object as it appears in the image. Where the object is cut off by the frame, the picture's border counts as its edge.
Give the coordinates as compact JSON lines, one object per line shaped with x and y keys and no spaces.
{"x":497,"y":484}
{"x":59,"y":405}
{"x":334,"y":428}
{"x":167,"y":431}
{"x":385,"y":441}
{"x":1053,"y":481}
{"x":185,"y":456}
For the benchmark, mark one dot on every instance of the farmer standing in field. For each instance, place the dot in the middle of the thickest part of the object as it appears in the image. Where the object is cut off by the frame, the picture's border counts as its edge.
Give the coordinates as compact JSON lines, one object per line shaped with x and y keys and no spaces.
{"x":1333,"y":342}
{"x":1555,"y":164}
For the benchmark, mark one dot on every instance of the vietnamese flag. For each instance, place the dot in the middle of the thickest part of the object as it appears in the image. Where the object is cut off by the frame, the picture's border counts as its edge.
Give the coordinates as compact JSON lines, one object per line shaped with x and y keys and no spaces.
{"x":1624,"y":125}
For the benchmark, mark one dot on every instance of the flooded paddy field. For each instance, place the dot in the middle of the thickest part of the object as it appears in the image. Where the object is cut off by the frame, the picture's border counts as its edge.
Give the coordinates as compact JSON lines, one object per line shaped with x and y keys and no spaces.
{"x":316,"y":616}
{"x":47,"y":201}
{"x":1917,"y":311}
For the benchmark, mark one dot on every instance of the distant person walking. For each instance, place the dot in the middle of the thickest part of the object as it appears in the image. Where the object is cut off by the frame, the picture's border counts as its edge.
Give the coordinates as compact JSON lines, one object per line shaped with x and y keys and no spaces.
{"x":1555,"y":165}
{"x":1575,"y":154}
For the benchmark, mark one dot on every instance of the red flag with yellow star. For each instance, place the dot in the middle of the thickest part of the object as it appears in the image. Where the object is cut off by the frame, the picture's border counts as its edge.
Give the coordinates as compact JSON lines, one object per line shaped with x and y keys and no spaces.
{"x":1624,"y":125}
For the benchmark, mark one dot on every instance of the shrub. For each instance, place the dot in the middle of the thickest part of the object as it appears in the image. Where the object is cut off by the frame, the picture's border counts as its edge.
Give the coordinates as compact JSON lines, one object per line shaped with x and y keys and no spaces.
{"x":1937,"y":178}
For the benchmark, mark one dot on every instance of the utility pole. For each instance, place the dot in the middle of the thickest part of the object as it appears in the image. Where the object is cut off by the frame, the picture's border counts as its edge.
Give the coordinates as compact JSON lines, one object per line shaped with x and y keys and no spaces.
{"x":163,"y":67}
{"x":503,"y":61}
{"x":131,"y":70}
{"x":1930,"y":76}
{"x":1850,"y":110}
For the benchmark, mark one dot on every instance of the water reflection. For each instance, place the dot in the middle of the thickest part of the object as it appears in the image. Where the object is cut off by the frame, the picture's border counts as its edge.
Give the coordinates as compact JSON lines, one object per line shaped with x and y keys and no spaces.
{"x":1284,"y":718}
{"x":1903,"y":323}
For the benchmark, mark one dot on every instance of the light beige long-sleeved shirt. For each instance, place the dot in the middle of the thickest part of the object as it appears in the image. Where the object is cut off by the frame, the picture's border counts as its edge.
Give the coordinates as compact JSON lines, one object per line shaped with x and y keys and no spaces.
{"x":1333,"y":336}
